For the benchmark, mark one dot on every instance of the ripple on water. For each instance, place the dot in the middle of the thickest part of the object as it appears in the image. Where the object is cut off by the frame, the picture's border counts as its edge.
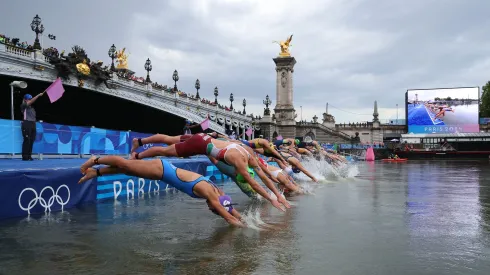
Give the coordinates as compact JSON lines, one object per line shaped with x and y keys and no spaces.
{"x":362,"y":218}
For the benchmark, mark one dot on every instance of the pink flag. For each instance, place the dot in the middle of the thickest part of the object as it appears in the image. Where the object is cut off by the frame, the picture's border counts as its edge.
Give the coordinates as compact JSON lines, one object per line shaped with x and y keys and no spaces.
{"x":205,"y":124}
{"x":249,"y":132}
{"x":55,"y":91}
{"x":279,"y":137}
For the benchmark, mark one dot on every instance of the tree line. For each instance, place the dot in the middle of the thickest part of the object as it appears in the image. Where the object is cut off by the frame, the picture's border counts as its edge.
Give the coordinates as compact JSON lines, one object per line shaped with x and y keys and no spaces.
{"x":485,"y":101}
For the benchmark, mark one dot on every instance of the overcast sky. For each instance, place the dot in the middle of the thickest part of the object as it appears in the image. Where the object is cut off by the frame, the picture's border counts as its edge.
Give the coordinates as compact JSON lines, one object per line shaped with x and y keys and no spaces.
{"x":349,"y":53}
{"x":425,"y":95}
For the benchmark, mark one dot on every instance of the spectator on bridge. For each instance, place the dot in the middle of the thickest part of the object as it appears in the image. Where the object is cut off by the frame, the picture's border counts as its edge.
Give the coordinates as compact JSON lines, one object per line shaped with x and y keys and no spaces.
{"x":28,"y":125}
{"x":188,"y":127}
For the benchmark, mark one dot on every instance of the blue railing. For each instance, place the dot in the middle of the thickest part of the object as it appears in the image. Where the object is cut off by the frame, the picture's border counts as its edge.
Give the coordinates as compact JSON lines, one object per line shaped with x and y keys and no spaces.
{"x":69,"y":140}
{"x":353,"y":146}
{"x":52,"y":139}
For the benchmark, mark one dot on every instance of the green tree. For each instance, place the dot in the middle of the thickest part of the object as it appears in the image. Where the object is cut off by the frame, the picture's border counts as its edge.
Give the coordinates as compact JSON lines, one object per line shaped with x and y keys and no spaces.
{"x":485,"y":101}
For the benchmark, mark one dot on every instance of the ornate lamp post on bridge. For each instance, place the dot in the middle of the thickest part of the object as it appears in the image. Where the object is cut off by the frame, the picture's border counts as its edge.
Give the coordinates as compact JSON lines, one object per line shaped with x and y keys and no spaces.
{"x":38,"y":28}
{"x":244,"y":105}
{"x":198,"y":86}
{"x":175,"y":77}
{"x":216,"y":95}
{"x":231,"y":100}
{"x":267,"y":102}
{"x":112,"y":55}
{"x":148,"y":68}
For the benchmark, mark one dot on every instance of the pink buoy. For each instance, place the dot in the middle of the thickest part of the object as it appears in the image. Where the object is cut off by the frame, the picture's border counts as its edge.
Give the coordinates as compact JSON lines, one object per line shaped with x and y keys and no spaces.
{"x":370,"y":154}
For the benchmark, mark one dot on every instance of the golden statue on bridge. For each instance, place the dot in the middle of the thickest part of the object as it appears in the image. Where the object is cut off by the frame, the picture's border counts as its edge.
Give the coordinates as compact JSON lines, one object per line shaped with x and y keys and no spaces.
{"x":285,"y":46}
{"x":122,"y":59}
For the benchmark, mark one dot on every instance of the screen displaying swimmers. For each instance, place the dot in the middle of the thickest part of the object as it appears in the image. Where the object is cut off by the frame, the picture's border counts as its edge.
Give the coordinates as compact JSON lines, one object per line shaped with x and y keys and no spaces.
{"x":452,"y":110}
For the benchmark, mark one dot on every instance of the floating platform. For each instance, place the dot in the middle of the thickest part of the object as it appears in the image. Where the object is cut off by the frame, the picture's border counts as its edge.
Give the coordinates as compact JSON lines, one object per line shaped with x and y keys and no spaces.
{"x":43,"y":186}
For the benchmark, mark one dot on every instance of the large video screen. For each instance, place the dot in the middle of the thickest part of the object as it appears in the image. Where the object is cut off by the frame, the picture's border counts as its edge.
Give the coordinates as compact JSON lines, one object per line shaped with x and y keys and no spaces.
{"x":453,"y":110}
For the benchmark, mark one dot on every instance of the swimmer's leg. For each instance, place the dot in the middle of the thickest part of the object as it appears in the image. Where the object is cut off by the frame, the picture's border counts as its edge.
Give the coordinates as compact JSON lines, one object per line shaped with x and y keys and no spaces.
{"x":152,"y":169}
{"x":158,"y":138}
{"x":168,"y":151}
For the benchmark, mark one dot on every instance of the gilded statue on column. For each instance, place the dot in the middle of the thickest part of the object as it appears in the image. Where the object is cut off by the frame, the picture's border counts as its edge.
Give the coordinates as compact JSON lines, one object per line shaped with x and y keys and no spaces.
{"x":122,"y":59}
{"x":83,"y":68}
{"x":285,"y":46}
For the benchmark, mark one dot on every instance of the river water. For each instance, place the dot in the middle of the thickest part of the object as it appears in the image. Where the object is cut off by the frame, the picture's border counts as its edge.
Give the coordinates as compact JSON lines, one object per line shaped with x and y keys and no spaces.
{"x":379,"y":218}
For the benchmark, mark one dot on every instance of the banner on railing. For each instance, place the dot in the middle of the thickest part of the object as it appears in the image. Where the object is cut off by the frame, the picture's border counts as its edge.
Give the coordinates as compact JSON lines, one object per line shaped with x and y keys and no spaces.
{"x":352,"y":146}
{"x":63,"y":139}
{"x":484,"y":120}
{"x":43,"y":191}
{"x":361,"y":146}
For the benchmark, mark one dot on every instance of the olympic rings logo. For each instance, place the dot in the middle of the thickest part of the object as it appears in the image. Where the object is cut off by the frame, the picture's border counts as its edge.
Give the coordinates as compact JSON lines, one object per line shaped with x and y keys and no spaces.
{"x":39,"y":198}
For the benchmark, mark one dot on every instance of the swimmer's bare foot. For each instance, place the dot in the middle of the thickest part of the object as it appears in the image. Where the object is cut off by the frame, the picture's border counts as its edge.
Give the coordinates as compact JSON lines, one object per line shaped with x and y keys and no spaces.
{"x":135,"y":145}
{"x":133,"y":155}
{"x":90,"y":173}
{"x":89,"y":163}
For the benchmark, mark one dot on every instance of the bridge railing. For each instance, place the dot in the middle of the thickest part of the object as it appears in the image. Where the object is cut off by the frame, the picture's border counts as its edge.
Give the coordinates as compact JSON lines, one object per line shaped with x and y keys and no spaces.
{"x":357,"y":146}
{"x":26,"y":54}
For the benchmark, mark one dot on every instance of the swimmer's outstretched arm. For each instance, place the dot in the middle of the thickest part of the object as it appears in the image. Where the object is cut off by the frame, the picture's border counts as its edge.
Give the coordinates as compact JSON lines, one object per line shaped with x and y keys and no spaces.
{"x":294,"y":152}
{"x":268,"y":172}
{"x":291,"y":180}
{"x":256,"y":186}
{"x":298,"y":164}
{"x":229,"y":218}
{"x":308,"y":152}
{"x":268,"y":183}
{"x":281,"y":164}
{"x":316,"y":144}
{"x":288,"y":184}
{"x":267,"y":146}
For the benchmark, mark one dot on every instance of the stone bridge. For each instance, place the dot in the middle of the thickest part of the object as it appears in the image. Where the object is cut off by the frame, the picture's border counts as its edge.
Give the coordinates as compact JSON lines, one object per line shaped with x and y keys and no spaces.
{"x":22,"y":63}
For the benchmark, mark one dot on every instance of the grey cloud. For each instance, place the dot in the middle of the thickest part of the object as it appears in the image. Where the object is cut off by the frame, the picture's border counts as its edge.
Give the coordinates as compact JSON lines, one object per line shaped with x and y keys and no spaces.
{"x":349,"y":53}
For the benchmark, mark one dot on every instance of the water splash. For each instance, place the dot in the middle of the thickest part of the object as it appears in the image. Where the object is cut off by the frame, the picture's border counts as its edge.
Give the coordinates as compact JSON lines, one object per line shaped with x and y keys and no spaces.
{"x":325,"y":171}
{"x":251,"y":217}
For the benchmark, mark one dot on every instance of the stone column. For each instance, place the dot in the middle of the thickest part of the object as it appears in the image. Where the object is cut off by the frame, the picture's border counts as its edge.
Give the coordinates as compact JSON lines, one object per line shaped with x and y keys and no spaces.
{"x":285,"y":113}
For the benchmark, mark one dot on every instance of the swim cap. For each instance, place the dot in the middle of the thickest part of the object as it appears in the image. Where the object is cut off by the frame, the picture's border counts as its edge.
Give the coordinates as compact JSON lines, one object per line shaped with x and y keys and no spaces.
{"x":241,"y":179}
{"x":296,"y":170}
{"x":296,"y":141}
{"x":225,"y":201}
{"x":27,"y":96}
